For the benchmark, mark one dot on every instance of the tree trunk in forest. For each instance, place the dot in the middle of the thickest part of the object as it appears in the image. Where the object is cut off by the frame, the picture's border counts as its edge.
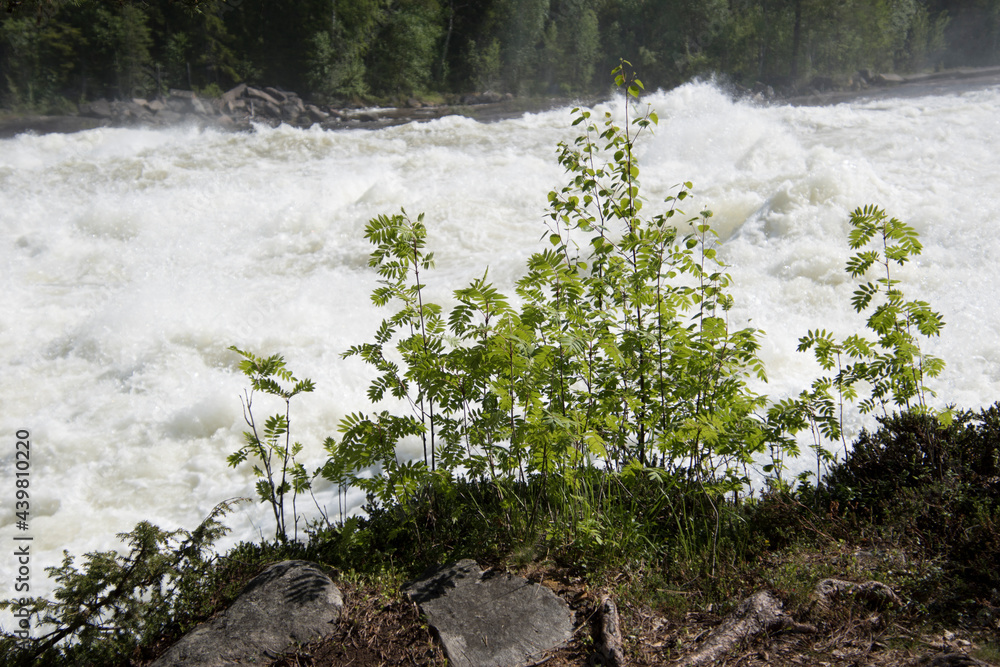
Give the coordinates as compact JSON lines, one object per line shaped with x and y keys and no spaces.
{"x":762,"y":43}
{"x":796,"y":40}
{"x":447,"y":40}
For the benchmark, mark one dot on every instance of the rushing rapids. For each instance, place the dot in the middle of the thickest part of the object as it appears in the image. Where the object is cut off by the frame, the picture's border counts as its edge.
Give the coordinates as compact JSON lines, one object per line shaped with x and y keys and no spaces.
{"x":132,"y":259}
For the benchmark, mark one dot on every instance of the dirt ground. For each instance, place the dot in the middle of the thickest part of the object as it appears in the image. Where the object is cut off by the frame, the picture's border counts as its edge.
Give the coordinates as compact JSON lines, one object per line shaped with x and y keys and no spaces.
{"x":379,"y":630}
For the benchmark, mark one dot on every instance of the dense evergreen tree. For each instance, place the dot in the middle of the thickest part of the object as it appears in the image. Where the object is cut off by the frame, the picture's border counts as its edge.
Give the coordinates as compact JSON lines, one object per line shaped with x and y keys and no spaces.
{"x":54,"y":52}
{"x":409,"y":34}
{"x":571,"y":47}
{"x":973,"y":31}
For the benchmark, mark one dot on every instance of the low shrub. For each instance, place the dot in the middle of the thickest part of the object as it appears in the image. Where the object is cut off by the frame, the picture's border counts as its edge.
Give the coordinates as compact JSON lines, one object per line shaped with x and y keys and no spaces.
{"x":933,"y":488}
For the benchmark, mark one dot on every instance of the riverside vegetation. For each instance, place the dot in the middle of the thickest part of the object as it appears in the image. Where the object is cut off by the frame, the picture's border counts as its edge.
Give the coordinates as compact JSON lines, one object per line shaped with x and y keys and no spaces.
{"x":55,"y":54}
{"x":603,"y":423}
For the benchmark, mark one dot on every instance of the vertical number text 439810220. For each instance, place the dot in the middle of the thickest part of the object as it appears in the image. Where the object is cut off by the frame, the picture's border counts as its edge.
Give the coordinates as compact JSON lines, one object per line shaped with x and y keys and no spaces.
{"x":22,"y":513}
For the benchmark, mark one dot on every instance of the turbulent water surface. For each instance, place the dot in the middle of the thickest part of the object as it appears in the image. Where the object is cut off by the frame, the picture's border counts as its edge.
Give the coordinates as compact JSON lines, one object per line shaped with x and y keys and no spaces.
{"x":132,"y":259}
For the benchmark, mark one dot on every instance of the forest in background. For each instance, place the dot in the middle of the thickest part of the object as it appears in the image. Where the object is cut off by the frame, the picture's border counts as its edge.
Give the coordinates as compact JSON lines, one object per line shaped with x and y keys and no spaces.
{"x":57,"y":53}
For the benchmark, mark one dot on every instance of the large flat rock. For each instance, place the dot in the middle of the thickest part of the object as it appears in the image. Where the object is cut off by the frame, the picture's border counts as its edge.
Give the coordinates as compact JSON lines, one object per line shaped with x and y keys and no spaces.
{"x":291,"y":602}
{"x":486,"y":620}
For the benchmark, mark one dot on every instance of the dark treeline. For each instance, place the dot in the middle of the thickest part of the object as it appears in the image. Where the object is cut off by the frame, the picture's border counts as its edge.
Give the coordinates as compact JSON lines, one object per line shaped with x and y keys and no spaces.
{"x":58,"y":52}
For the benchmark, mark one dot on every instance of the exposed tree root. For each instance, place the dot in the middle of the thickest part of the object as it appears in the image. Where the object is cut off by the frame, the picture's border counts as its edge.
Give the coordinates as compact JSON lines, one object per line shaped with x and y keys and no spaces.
{"x":758,"y":614}
{"x":873,"y":594}
{"x":608,"y":636}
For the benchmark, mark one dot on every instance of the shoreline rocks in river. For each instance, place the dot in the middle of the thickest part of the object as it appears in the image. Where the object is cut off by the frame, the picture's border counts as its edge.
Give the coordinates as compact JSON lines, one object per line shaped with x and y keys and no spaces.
{"x":243,"y":106}
{"x":864,"y":84}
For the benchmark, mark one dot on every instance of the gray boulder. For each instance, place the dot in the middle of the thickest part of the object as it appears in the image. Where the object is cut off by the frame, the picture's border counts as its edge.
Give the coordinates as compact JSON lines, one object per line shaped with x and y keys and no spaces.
{"x":234,"y":94}
{"x":234,"y":106}
{"x":266,"y":109}
{"x":279,"y":96}
{"x":490,"y":620}
{"x":291,"y":602}
{"x":97,"y":109}
{"x":316,"y":114}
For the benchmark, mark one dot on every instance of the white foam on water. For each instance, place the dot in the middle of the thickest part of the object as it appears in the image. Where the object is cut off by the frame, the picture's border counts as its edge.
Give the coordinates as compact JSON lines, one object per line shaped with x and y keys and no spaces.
{"x":133,"y":258}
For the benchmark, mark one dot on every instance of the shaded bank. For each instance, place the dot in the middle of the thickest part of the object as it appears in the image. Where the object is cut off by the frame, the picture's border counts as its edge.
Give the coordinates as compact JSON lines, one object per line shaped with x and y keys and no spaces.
{"x":241,"y":111}
{"x":488,"y":107}
{"x":946,"y":82}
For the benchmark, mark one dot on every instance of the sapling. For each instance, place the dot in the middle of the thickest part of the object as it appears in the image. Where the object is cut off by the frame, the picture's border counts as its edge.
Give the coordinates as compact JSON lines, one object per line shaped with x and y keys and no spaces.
{"x":892,"y":364}
{"x":271,"y":445}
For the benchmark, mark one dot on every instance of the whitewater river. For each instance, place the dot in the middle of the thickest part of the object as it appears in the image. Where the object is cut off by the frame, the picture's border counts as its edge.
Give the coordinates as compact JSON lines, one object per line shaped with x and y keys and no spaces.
{"x":132,"y":259}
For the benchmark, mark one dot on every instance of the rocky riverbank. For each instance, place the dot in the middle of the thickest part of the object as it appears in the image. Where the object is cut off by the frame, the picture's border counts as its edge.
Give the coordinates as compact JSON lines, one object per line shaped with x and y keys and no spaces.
{"x":866,"y":84}
{"x":243,"y":106}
